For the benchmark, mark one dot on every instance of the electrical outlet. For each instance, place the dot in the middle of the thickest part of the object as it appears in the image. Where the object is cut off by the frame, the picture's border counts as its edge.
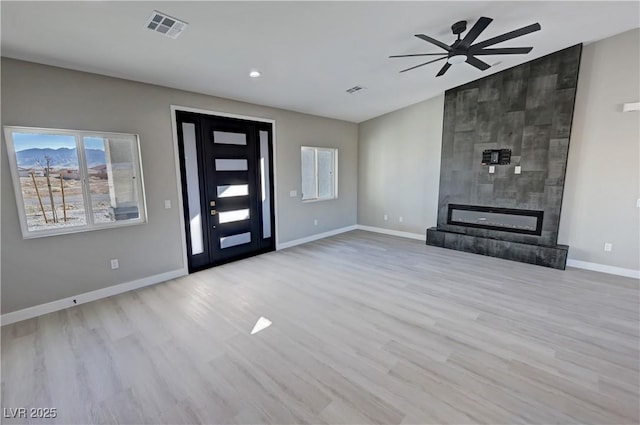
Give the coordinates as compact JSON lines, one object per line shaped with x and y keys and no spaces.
{"x":293,"y":193}
{"x":315,"y":222}
{"x":386,"y":217}
{"x":608,"y":246}
{"x":518,"y":169}
{"x":167,"y":204}
{"x":492,"y":169}
{"x":114,"y":264}
{"x":400,"y":219}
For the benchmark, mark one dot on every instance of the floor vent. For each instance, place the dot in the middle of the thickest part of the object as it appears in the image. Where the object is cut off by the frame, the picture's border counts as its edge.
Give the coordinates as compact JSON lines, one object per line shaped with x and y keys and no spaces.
{"x":165,"y":25}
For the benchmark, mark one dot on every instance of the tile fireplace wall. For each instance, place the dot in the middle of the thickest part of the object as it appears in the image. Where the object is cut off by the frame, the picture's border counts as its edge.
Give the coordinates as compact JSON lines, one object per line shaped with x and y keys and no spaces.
{"x":528,"y":109}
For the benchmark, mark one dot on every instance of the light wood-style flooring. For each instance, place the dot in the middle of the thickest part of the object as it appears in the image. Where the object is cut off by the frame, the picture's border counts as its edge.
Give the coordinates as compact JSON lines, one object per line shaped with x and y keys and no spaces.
{"x":366,"y":329}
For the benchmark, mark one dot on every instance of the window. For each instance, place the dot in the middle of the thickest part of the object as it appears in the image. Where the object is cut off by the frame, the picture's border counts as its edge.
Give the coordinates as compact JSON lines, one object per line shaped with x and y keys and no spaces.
{"x":319,"y":174}
{"x":70,"y":181}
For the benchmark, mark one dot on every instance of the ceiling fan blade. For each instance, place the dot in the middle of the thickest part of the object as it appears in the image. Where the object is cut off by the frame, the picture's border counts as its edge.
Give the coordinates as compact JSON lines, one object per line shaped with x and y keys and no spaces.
{"x":418,"y":54}
{"x":474,"y":32}
{"x":503,"y":51}
{"x":507,"y":36}
{"x":423,"y":64}
{"x":477,"y":63}
{"x":444,"y":69}
{"x":434,"y":41}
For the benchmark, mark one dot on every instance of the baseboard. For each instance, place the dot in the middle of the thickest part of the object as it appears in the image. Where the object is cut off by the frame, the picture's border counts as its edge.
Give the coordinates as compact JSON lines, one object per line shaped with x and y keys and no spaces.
{"x":604,"y":268}
{"x":409,"y":235}
{"x":50,"y":307}
{"x":316,"y":237}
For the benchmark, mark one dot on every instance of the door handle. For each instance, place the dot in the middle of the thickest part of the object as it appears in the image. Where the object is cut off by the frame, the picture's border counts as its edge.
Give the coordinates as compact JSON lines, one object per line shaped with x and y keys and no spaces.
{"x":214,"y":212}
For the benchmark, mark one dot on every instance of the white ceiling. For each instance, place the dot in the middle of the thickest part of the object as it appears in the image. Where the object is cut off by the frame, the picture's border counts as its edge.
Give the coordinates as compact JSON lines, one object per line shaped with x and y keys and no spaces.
{"x":308,"y":52}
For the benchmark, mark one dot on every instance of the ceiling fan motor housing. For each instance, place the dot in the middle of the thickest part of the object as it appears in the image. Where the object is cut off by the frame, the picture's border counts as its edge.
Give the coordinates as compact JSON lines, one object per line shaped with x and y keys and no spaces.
{"x":459,"y":27}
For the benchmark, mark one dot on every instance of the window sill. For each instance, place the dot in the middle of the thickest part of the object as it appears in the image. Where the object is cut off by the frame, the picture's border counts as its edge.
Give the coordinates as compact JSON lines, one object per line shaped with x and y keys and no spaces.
{"x":79,"y":229}
{"x":309,"y":201}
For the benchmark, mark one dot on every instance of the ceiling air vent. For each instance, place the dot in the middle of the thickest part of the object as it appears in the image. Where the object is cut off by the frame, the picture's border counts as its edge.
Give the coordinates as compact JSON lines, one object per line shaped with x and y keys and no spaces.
{"x":165,"y":25}
{"x":354,"y":89}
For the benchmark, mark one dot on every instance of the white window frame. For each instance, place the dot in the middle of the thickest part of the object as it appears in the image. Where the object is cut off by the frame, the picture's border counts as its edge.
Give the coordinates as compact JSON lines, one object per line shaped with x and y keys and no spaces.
{"x":83,"y":173}
{"x":315,"y":150}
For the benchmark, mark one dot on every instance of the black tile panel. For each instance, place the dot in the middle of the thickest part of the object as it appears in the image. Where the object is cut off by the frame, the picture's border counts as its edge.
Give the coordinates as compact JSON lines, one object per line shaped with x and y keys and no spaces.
{"x":483,"y":195}
{"x":466,"y":109}
{"x":535,"y":148}
{"x":486,"y":125}
{"x":546,"y":65}
{"x":568,"y":68}
{"x":540,"y":92}
{"x":515,"y":88}
{"x":557,"y":162}
{"x":529,"y":182}
{"x":491,"y":89}
{"x":463,"y":150}
{"x":510,"y":131}
{"x":563,"y":112}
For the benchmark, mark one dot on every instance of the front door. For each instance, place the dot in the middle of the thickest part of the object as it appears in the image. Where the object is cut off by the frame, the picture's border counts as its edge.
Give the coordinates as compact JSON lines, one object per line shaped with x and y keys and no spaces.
{"x":226,"y":167}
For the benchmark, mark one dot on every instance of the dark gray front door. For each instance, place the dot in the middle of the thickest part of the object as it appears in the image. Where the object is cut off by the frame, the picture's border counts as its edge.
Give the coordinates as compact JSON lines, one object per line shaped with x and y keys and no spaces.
{"x":234,"y":178}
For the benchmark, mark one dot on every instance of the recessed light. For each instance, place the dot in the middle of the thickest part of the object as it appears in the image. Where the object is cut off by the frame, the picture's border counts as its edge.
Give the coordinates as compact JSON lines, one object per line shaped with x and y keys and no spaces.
{"x":254,"y":74}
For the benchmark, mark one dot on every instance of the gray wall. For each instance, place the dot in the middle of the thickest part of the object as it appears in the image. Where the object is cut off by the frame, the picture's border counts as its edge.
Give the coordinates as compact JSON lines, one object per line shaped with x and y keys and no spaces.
{"x":527,"y":109}
{"x":395,"y":172}
{"x":398,"y":168}
{"x":600,"y":197}
{"x":603,"y":180}
{"x":47,"y":269}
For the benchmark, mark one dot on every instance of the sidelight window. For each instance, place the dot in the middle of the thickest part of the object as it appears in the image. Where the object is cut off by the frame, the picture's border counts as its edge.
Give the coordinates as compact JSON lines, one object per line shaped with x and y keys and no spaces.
{"x":319,"y":173}
{"x":70,"y":181}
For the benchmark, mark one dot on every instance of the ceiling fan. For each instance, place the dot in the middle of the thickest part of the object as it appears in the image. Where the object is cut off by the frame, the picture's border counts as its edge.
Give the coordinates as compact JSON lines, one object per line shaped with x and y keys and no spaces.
{"x":462,"y":50}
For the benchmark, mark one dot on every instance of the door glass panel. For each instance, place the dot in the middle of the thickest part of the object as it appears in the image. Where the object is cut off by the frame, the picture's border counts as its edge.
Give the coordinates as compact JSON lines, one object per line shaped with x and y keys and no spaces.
{"x":231,"y":165}
{"x":266,"y":184}
{"x":236,"y":215}
{"x":233,"y":190}
{"x":193,"y":188}
{"x":224,"y":137}
{"x":325,"y":174}
{"x":239,"y":239}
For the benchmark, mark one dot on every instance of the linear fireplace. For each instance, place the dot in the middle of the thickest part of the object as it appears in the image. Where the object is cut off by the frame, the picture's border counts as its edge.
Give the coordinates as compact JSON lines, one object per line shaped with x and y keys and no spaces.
{"x":505,"y":219}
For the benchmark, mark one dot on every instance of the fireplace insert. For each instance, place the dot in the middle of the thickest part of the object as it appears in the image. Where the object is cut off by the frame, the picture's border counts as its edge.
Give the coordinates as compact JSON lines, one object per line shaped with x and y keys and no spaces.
{"x":504,"y":219}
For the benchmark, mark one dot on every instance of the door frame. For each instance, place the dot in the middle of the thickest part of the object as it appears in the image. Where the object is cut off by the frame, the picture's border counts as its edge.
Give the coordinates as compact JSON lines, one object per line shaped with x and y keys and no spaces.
{"x":176,"y":156}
